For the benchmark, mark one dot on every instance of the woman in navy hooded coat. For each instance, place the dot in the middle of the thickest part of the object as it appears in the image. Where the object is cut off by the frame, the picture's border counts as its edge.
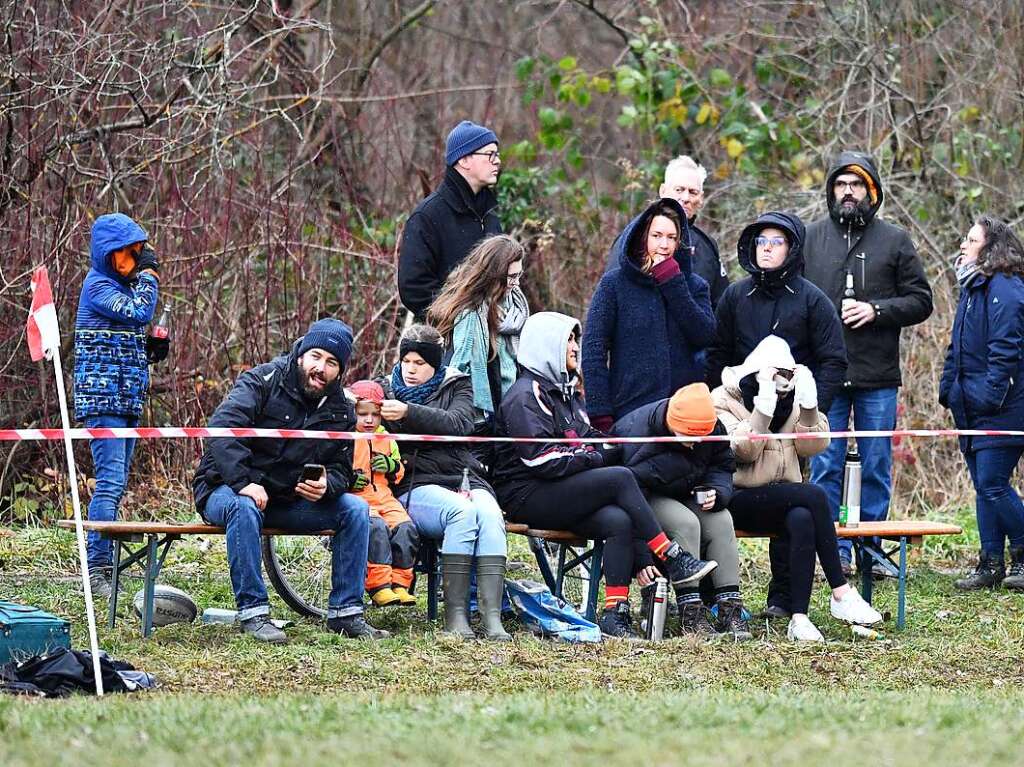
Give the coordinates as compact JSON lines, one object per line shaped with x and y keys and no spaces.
{"x":983,"y":386}
{"x":649,"y":320}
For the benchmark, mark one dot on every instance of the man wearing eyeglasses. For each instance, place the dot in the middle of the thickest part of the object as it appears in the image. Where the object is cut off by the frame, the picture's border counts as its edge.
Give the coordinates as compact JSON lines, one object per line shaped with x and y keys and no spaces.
{"x":870,"y":270}
{"x":446,"y":225}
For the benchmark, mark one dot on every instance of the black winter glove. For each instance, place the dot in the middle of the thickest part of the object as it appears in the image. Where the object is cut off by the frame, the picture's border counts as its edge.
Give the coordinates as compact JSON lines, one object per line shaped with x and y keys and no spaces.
{"x":612,"y":454}
{"x":157,"y":349}
{"x":147,"y":260}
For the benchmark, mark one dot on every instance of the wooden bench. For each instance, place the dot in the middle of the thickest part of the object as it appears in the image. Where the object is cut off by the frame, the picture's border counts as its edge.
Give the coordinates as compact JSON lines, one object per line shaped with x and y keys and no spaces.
{"x":158,"y":537}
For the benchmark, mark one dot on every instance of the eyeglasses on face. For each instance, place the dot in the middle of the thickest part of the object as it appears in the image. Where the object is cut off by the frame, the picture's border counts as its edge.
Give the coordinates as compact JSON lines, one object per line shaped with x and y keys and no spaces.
{"x":775,"y":242}
{"x":493,"y":156}
{"x":855,"y":185}
{"x":514,"y":278}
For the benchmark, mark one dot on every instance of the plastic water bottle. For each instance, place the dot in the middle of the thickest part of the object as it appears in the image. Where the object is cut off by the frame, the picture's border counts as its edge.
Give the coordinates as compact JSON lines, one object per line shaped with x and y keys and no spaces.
{"x":465,"y":487}
{"x":849,"y":511}
{"x":657,"y":610}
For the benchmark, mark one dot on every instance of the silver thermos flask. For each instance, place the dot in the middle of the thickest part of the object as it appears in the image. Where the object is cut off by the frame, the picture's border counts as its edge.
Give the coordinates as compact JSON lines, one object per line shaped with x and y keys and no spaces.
{"x":657,"y":611}
{"x":849,"y":511}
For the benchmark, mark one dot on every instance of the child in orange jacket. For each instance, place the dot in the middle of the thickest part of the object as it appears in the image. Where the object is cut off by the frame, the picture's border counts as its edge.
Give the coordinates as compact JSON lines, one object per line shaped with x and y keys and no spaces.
{"x":394,"y":539}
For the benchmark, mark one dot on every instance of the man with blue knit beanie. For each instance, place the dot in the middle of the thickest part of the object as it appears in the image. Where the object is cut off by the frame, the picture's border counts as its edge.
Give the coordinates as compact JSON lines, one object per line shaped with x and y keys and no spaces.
{"x":446,"y":225}
{"x":244,"y":485}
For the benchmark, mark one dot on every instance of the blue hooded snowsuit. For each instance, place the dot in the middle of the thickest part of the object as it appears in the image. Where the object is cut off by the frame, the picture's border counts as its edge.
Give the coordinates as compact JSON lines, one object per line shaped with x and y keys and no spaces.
{"x":111,"y":371}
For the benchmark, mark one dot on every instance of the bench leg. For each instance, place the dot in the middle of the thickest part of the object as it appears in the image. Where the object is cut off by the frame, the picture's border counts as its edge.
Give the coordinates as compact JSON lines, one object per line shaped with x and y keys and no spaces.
{"x":537,"y":547}
{"x":431,"y":562}
{"x":115,"y":583}
{"x":596,"y":557}
{"x":560,"y":575}
{"x":901,"y":605}
{"x":864,"y":567}
{"x":152,"y":569}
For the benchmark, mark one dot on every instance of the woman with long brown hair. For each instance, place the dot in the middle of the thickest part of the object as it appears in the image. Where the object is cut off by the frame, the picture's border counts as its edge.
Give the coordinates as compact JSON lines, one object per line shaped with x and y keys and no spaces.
{"x":983,"y":386}
{"x":479,"y":313}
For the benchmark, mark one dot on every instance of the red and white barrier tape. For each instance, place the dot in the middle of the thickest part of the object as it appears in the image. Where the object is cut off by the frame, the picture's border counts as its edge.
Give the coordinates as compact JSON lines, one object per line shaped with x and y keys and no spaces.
{"x":194,"y":432}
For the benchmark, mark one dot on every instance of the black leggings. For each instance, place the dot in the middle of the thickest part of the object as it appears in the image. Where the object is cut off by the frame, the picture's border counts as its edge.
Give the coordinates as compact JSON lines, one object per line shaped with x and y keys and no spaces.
{"x":600,"y":504}
{"x":799,"y":515}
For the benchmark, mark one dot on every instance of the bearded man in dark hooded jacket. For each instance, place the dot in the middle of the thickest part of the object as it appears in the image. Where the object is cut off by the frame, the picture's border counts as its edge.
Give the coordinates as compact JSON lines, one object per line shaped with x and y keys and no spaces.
{"x":870,"y":271}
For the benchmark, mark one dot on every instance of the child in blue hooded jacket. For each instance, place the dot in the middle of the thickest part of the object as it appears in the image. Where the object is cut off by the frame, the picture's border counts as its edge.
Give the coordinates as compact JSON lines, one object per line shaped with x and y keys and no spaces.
{"x":111,"y":379}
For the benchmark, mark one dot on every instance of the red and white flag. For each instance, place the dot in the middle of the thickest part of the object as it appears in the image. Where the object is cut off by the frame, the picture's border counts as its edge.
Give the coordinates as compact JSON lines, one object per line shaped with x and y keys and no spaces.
{"x":43,"y":331}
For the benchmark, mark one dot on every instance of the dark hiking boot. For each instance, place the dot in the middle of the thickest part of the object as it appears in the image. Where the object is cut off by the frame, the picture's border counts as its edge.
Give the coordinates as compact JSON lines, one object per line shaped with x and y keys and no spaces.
{"x":988,"y":574}
{"x":695,"y":620}
{"x":261,"y":629}
{"x":1015,"y":577}
{"x":99,"y":582}
{"x":732,"y":619}
{"x":616,"y":622}
{"x":355,"y":627}
{"x":684,"y":568}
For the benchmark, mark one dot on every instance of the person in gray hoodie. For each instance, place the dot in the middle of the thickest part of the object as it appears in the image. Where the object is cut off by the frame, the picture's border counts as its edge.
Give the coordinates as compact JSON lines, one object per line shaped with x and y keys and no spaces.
{"x":575,"y":485}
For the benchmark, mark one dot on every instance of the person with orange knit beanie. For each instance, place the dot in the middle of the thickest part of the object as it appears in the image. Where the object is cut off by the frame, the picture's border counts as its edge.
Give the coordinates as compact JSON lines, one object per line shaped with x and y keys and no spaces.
{"x":394,"y":539}
{"x":688,"y":485}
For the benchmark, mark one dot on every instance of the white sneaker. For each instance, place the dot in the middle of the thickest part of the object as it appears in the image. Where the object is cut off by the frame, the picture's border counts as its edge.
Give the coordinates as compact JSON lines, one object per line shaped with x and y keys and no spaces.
{"x":853,"y":609}
{"x":802,"y":630}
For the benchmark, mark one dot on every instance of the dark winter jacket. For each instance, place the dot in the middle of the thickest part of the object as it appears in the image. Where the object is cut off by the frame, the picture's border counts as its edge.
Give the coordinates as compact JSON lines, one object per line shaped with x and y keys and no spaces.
{"x":111,"y":371}
{"x":448,"y":412}
{"x":269,"y":396}
{"x":705,"y":258}
{"x":886,"y":273}
{"x":675,"y":469}
{"x":783,"y":303}
{"x":983,"y":377}
{"x":543,"y":402}
{"x":644,"y":336}
{"x":439,"y":234}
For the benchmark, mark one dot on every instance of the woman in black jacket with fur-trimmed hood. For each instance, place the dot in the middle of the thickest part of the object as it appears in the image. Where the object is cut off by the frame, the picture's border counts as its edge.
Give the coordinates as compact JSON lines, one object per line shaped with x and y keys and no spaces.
{"x":776,"y":300}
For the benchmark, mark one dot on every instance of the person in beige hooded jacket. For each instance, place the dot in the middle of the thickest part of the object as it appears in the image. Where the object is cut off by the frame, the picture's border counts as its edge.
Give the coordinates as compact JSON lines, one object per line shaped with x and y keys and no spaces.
{"x":770,"y":394}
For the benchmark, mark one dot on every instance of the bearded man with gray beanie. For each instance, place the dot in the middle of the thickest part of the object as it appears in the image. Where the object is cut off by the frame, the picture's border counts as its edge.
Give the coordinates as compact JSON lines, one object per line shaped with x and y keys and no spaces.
{"x":246,"y":484}
{"x":446,"y":225}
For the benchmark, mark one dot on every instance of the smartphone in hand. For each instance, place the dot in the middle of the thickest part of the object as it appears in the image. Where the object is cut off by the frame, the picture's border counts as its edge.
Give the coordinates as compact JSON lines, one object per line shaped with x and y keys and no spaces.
{"x":312,"y":472}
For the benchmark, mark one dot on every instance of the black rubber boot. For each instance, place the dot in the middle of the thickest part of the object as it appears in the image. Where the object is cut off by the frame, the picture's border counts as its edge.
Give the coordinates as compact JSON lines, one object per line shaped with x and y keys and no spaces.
{"x":987,"y":575}
{"x":490,"y":589}
{"x":1015,"y":577}
{"x":455,"y":569}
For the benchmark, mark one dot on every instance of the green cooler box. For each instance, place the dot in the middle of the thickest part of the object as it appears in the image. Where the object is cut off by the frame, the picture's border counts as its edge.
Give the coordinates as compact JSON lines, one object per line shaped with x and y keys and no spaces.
{"x":26,"y":631}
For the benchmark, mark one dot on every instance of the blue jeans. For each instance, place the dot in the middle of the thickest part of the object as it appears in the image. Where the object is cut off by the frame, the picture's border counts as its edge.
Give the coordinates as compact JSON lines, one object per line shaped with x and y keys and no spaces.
{"x":111,"y":459}
{"x":873,"y":410}
{"x":472,"y":526}
{"x":999,"y":508}
{"x":347,"y":515}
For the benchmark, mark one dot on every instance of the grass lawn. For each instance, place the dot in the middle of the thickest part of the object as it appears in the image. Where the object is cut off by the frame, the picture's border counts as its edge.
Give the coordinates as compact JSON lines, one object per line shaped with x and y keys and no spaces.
{"x":948,"y":689}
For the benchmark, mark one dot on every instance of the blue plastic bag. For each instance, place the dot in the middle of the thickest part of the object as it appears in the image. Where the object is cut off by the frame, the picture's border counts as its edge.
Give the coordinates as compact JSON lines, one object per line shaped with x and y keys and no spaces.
{"x":547,"y":615}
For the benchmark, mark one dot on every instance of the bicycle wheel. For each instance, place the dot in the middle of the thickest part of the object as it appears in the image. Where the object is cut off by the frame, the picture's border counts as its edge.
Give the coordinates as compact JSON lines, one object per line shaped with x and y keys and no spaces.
{"x":299,"y":568}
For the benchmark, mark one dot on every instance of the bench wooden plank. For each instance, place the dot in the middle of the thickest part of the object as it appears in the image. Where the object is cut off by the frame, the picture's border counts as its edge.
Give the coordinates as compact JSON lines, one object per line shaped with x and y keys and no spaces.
{"x":909,"y":528}
{"x":164,"y":528}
